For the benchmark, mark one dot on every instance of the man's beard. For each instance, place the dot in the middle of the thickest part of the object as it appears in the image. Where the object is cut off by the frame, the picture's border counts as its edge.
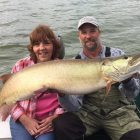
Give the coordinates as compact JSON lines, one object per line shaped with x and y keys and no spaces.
{"x":93,"y":47}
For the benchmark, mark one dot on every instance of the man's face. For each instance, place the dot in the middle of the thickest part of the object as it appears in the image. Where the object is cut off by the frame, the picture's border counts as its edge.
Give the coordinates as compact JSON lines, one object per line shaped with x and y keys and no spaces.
{"x":89,"y":36}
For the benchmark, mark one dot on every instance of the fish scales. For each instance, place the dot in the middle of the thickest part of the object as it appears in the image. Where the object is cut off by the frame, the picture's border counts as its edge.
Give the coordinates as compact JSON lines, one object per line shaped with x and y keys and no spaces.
{"x":64,"y":76}
{"x":69,"y":77}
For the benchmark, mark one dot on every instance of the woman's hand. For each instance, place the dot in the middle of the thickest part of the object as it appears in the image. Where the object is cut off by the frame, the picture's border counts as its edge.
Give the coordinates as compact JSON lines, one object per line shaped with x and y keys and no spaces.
{"x":30,"y":124}
{"x":46,"y":124}
{"x":5,"y":77}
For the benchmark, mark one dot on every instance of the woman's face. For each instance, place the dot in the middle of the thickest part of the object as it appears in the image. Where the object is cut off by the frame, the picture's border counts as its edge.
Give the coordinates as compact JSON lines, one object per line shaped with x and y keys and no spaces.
{"x":43,"y":51}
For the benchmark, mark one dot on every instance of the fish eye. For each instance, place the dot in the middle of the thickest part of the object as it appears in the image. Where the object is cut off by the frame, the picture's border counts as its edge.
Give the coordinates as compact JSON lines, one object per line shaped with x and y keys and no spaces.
{"x":125,"y":57}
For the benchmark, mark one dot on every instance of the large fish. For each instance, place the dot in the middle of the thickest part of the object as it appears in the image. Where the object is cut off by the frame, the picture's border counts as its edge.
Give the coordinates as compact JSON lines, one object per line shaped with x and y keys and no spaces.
{"x":69,"y":77}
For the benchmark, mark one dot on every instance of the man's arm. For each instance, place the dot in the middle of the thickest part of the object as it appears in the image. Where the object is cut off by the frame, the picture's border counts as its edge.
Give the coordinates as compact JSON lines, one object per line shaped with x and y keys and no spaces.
{"x":71,"y":102}
{"x":130,"y":88}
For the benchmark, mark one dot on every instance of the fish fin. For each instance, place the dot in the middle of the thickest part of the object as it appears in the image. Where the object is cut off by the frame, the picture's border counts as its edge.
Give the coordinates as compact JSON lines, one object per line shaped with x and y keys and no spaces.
{"x":108,"y":87}
{"x":5,"y":111}
{"x":108,"y":84}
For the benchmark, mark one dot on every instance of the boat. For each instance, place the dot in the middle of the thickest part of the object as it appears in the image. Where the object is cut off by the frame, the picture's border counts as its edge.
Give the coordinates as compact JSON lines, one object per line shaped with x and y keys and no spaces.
{"x":5,"y":133}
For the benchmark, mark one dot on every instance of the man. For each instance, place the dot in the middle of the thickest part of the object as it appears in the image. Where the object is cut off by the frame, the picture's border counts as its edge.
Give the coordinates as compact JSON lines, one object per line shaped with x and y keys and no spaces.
{"x":114,"y":112}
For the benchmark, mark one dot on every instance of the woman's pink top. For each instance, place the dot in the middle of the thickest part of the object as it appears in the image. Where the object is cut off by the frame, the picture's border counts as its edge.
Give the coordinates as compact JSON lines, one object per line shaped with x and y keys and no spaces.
{"x":41,"y":105}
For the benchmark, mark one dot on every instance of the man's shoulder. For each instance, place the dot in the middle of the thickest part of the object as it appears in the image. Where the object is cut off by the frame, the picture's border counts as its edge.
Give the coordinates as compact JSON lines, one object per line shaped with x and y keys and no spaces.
{"x":106,"y":52}
{"x":116,"y":52}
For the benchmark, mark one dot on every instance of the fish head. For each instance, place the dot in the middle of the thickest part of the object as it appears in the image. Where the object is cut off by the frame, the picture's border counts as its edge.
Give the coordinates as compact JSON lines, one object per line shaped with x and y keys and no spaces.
{"x":134,"y":64}
{"x":118,"y":69}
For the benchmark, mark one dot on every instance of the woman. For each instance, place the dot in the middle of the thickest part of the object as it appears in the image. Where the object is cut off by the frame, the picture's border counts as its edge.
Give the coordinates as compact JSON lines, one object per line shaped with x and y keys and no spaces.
{"x":32,"y":119}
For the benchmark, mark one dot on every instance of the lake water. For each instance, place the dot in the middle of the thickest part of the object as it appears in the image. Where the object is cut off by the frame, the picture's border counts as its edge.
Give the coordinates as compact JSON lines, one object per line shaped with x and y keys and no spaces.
{"x":119,"y":21}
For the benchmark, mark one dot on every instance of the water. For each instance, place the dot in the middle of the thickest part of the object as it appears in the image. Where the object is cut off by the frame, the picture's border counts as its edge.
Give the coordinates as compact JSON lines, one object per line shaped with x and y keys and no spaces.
{"x":119,"y":21}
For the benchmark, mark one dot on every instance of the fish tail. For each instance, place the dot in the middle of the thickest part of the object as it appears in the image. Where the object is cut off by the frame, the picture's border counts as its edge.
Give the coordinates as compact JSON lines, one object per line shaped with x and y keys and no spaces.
{"x":4,"y":108}
{"x":4,"y":112}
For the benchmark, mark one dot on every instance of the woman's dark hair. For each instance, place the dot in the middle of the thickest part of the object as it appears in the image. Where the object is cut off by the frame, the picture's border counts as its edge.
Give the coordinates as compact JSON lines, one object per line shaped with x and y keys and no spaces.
{"x":43,"y":33}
